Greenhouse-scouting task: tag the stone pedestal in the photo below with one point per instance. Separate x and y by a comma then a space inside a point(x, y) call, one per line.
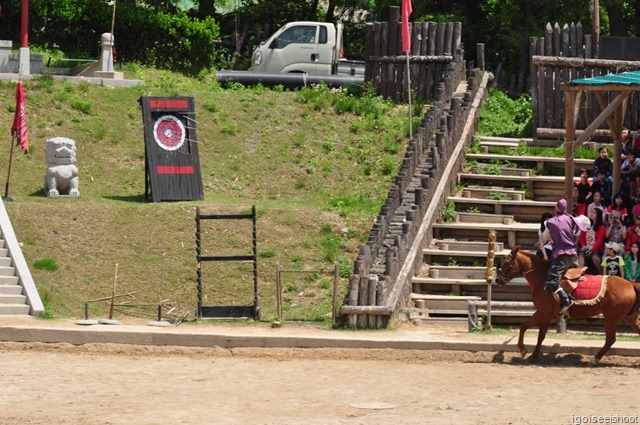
point(24, 61)
point(113, 75)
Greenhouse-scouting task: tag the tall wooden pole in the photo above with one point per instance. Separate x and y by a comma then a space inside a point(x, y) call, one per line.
point(570, 124)
point(596, 29)
point(24, 24)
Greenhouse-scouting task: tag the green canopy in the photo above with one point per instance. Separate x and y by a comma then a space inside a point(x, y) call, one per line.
point(629, 78)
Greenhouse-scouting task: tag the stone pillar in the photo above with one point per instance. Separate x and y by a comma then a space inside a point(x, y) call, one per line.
point(24, 62)
point(5, 51)
point(106, 59)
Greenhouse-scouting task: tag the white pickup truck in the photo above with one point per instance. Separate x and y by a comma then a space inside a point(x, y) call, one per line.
point(313, 48)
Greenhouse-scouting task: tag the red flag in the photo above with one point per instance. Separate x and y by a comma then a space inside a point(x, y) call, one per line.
point(406, 37)
point(19, 127)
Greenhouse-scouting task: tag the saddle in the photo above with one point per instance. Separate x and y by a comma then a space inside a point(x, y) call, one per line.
point(571, 277)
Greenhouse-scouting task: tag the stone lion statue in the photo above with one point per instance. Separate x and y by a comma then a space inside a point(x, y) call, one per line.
point(62, 172)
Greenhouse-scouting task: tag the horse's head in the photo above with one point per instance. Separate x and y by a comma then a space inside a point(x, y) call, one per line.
point(509, 268)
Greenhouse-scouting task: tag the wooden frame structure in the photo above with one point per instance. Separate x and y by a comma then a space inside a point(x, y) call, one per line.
point(621, 86)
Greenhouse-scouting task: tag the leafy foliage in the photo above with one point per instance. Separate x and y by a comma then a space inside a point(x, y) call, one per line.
point(502, 116)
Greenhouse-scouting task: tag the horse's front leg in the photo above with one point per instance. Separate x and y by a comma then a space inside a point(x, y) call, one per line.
point(542, 320)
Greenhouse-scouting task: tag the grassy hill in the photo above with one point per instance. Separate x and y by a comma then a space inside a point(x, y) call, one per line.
point(316, 163)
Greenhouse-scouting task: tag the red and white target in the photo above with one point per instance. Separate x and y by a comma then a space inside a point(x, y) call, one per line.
point(169, 132)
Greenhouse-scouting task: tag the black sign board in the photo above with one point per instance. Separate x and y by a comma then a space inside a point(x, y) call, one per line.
point(172, 166)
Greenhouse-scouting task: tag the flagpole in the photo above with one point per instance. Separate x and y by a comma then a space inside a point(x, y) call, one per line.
point(409, 96)
point(6, 196)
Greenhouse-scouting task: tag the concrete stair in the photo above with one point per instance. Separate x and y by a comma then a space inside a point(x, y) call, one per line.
point(13, 300)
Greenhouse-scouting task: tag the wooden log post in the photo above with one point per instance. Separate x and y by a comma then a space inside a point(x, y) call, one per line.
point(354, 282)
point(480, 55)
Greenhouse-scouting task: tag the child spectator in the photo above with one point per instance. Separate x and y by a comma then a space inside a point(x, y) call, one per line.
point(584, 193)
point(603, 163)
point(612, 262)
point(630, 167)
point(618, 205)
point(591, 243)
point(596, 204)
point(631, 269)
point(603, 186)
point(544, 238)
point(616, 232)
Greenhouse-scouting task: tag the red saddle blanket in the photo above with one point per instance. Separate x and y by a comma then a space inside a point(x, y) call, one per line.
point(591, 288)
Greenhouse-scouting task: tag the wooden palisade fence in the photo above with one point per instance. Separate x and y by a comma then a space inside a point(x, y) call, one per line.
point(380, 287)
point(563, 55)
point(433, 47)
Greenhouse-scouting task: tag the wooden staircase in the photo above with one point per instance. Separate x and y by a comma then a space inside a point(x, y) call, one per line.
point(452, 279)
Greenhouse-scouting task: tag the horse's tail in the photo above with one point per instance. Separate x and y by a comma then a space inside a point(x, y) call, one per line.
point(636, 304)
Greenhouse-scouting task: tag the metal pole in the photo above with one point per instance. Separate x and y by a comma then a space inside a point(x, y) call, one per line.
point(335, 292)
point(278, 292)
point(491, 253)
point(409, 96)
point(199, 267)
point(6, 186)
point(24, 24)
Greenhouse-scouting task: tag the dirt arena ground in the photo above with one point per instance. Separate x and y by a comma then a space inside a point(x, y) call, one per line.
point(90, 384)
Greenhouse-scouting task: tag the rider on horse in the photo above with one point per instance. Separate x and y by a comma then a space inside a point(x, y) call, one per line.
point(565, 255)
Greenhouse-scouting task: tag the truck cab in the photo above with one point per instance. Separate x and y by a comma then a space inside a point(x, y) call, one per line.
point(304, 47)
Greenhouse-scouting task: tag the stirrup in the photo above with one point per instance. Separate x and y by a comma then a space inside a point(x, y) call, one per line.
point(567, 307)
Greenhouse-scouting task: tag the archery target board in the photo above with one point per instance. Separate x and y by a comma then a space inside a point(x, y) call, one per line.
point(172, 166)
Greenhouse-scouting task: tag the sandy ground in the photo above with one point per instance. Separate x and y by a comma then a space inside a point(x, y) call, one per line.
point(124, 384)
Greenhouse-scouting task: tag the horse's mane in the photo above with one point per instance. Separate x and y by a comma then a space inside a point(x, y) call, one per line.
point(535, 259)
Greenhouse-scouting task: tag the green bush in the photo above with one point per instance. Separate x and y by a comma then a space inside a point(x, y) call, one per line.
point(505, 117)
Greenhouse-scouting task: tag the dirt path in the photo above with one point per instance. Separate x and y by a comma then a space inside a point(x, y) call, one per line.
point(121, 384)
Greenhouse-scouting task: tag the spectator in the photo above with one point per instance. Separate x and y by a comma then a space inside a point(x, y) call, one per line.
point(584, 193)
point(612, 262)
point(604, 186)
point(618, 205)
point(591, 243)
point(634, 190)
point(630, 167)
point(603, 163)
point(627, 143)
point(544, 238)
point(633, 234)
point(596, 204)
point(616, 232)
point(631, 269)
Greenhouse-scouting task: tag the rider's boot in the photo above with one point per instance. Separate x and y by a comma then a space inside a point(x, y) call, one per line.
point(566, 300)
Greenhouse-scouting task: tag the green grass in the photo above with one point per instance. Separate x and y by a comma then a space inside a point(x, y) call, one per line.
point(317, 169)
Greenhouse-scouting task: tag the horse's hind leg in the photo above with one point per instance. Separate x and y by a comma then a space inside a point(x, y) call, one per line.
point(634, 322)
point(610, 326)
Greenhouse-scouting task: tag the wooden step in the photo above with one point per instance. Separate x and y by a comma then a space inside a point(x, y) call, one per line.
point(539, 161)
point(465, 246)
point(524, 234)
point(485, 192)
point(456, 272)
point(504, 170)
point(470, 217)
point(526, 211)
point(442, 302)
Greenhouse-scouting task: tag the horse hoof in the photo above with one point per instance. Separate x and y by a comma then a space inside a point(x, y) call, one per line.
point(594, 362)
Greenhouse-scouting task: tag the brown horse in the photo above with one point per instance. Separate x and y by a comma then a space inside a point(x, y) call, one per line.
point(621, 301)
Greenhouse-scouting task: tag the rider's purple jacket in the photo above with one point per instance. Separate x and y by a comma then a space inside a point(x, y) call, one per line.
point(561, 231)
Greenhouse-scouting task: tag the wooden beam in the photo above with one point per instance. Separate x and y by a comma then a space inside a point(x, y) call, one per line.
point(582, 63)
point(603, 87)
point(590, 130)
point(570, 123)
